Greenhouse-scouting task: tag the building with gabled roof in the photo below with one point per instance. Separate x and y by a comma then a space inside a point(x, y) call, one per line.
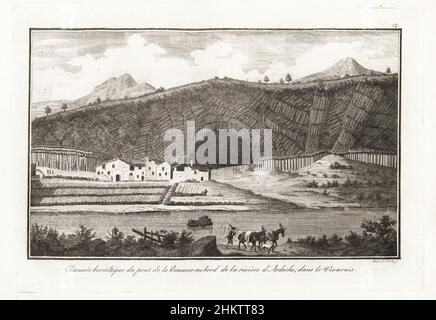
point(184, 172)
point(132, 170)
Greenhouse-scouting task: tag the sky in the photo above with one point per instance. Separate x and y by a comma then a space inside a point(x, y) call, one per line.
point(69, 64)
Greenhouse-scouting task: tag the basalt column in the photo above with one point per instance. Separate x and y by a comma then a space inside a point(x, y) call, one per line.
point(316, 120)
point(365, 99)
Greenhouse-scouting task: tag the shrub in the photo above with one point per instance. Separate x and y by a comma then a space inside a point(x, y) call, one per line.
point(380, 230)
point(312, 184)
point(115, 241)
point(349, 183)
point(335, 240)
point(185, 238)
point(377, 238)
point(321, 242)
point(169, 239)
point(82, 238)
point(353, 239)
point(325, 192)
point(335, 176)
point(337, 166)
point(44, 241)
point(325, 175)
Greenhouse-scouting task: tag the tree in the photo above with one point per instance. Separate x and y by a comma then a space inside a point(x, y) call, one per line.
point(98, 100)
point(64, 106)
point(281, 81)
point(47, 110)
point(288, 78)
point(266, 79)
point(388, 70)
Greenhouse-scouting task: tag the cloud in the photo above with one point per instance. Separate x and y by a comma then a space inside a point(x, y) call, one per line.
point(71, 69)
point(50, 42)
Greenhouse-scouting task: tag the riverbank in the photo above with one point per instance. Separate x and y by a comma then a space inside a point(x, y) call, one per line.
point(331, 182)
point(133, 208)
point(375, 237)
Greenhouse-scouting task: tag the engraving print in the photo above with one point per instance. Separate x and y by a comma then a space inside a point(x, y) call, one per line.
point(219, 143)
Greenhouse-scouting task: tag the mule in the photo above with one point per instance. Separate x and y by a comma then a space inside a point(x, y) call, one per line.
point(252, 237)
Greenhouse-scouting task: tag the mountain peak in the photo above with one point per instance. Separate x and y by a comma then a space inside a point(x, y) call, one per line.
point(345, 67)
point(123, 86)
point(125, 80)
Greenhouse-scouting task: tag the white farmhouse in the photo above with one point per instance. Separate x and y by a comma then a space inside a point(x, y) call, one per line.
point(123, 170)
point(114, 170)
point(164, 171)
point(150, 169)
point(119, 170)
point(185, 172)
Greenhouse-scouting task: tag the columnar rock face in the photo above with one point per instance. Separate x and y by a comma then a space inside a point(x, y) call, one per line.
point(316, 121)
point(64, 159)
point(365, 101)
point(354, 113)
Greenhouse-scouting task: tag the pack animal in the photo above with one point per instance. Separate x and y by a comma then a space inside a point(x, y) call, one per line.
point(274, 236)
point(253, 237)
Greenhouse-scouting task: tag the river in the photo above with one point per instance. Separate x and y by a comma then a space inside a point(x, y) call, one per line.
point(299, 222)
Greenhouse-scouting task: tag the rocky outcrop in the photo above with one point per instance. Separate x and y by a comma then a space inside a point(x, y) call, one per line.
point(204, 247)
point(352, 113)
point(366, 99)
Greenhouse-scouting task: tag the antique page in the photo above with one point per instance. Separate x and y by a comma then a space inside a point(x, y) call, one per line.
point(206, 149)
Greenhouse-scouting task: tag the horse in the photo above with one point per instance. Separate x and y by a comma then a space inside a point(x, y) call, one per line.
point(252, 237)
point(274, 236)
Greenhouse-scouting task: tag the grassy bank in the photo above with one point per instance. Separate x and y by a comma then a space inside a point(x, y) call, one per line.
point(377, 238)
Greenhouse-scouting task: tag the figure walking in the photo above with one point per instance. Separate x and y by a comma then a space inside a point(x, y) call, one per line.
point(230, 235)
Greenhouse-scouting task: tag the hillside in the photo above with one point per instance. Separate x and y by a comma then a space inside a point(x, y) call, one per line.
point(37, 109)
point(338, 115)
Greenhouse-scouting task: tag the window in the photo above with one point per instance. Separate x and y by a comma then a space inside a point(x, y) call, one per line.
point(163, 169)
point(152, 173)
point(195, 172)
point(160, 174)
point(166, 173)
point(149, 168)
point(137, 175)
point(98, 172)
point(108, 172)
point(201, 178)
point(103, 166)
point(132, 168)
point(113, 166)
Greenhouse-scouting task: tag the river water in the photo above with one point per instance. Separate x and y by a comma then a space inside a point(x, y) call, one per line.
point(299, 222)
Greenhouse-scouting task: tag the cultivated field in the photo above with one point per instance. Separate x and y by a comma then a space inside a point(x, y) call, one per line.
point(66, 192)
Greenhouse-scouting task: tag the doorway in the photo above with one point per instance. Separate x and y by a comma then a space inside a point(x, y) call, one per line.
point(117, 177)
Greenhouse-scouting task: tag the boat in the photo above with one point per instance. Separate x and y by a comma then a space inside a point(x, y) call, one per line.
point(203, 221)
